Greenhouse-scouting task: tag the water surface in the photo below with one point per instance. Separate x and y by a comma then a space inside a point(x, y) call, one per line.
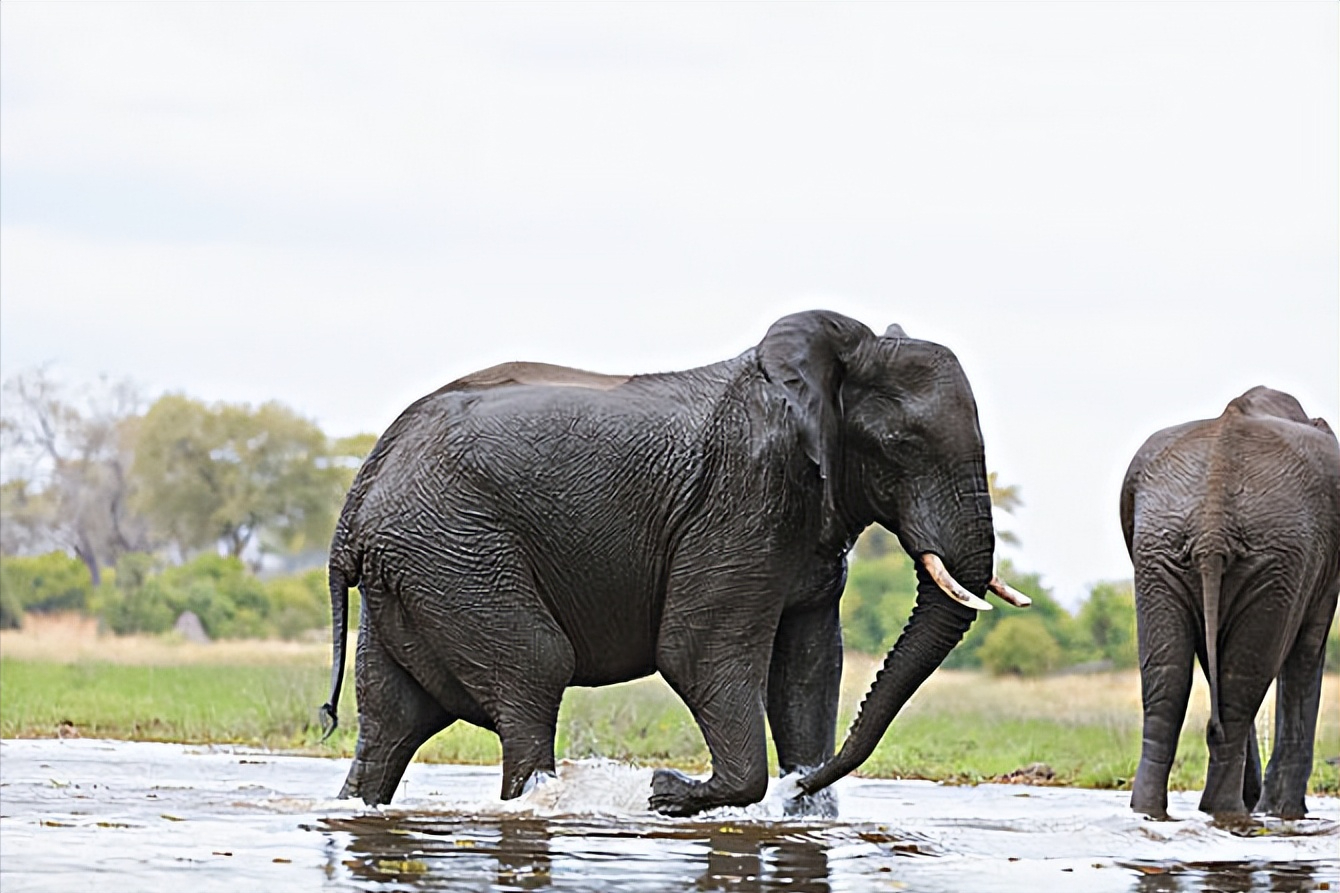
point(156, 817)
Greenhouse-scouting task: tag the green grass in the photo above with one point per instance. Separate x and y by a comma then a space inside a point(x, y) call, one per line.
point(960, 727)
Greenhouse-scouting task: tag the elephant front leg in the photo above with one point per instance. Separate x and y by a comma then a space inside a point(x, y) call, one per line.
point(804, 679)
point(720, 675)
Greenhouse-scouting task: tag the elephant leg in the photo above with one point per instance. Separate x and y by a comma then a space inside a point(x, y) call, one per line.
point(1251, 776)
point(720, 671)
point(1243, 682)
point(513, 665)
point(1167, 637)
point(1297, 700)
point(804, 679)
point(395, 716)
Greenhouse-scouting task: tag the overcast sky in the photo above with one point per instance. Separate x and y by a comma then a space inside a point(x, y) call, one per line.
point(1118, 215)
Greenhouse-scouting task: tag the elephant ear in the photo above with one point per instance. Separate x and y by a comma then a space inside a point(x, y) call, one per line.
point(895, 331)
point(806, 354)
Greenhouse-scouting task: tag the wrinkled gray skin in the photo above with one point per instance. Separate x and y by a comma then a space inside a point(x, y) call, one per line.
point(1233, 525)
point(531, 527)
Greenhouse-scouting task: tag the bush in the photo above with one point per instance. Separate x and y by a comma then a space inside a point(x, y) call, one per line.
point(1021, 646)
point(299, 604)
point(1108, 619)
point(1061, 628)
point(11, 609)
point(881, 590)
point(46, 583)
point(230, 601)
point(129, 601)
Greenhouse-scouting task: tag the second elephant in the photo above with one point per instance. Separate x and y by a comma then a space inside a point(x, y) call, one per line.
point(1233, 525)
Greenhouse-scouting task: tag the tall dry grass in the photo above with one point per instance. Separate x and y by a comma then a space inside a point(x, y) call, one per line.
point(73, 638)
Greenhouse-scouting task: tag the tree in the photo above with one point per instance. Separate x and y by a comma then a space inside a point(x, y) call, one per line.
point(881, 590)
point(73, 454)
point(1020, 645)
point(45, 583)
point(262, 478)
point(1056, 620)
point(1108, 617)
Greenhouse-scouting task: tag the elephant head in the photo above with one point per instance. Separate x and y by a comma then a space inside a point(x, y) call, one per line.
point(892, 426)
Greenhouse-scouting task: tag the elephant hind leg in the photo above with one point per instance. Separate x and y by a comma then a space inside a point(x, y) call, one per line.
point(1233, 772)
point(1168, 641)
point(501, 670)
point(1297, 701)
point(396, 716)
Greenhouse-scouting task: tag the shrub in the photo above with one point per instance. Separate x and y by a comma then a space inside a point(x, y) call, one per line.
point(881, 590)
point(1021, 646)
point(46, 583)
point(1108, 618)
point(130, 601)
point(299, 603)
point(11, 609)
point(1060, 626)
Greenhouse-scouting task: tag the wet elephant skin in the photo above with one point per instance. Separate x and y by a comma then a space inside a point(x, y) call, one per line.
point(530, 527)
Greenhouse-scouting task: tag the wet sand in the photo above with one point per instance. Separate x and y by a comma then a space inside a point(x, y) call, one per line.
point(151, 817)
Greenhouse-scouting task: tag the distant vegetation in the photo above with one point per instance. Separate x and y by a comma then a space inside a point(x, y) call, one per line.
point(135, 514)
point(882, 588)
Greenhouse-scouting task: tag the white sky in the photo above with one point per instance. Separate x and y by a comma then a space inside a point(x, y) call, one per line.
point(1118, 215)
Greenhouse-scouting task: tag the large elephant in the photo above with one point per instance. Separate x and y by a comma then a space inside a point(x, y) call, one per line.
point(531, 527)
point(1233, 525)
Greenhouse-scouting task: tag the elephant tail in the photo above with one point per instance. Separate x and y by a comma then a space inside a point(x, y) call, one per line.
point(1211, 585)
point(340, 581)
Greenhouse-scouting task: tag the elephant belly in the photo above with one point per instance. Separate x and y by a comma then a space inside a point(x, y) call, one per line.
point(612, 630)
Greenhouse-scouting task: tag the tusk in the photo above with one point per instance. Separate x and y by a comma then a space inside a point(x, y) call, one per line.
point(936, 568)
point(1008, 593)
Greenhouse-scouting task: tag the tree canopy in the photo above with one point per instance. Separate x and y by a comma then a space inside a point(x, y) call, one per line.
point(88, 472)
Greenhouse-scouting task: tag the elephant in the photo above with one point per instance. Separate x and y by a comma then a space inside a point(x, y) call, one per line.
point(1233, 528)
point(531, 527)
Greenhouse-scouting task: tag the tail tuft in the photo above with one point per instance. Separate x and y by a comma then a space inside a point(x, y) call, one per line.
point(329, 721)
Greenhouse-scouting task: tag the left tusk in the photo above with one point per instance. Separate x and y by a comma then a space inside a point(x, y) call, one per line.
point(1008, 593)
point(936, 568)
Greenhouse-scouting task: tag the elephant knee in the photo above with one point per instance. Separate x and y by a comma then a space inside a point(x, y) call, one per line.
point(744, 790)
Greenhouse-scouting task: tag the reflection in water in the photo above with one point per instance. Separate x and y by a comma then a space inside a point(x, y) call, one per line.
point(1230, 877)
point(471, 853)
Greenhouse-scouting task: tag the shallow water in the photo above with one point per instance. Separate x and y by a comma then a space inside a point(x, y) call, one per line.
point(154, 817)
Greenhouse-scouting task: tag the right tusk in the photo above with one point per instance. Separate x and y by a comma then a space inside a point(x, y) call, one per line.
point(936, 568)
point(1008, 593)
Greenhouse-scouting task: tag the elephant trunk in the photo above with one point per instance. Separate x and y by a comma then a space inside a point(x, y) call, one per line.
point(936, 626)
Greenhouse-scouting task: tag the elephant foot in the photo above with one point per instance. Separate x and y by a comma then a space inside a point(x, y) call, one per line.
point(1149, 792)
point(359, 783)
point(1151, 805)
point(1227, 810)
point(672, 793)
point(1286, 810)
point(1239, 823)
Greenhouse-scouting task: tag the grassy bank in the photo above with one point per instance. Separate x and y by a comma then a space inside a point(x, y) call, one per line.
point(61, 677)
